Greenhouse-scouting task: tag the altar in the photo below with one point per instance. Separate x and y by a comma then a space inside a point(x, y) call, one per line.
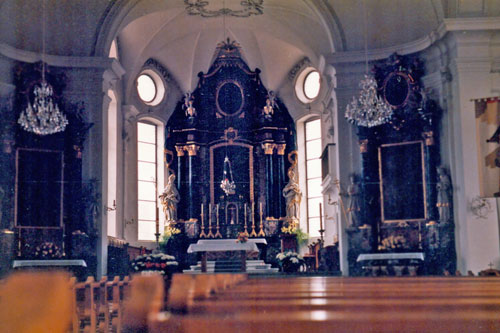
point(398, 264)
point(204, 246)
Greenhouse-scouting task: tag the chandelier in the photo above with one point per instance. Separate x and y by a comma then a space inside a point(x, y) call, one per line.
point(368, 109)
point(43, 116)
point(227, 184)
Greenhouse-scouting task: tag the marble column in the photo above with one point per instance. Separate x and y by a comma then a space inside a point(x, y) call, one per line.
point(192, 150)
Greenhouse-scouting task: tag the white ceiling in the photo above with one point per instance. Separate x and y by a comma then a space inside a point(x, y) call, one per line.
point(286, 32)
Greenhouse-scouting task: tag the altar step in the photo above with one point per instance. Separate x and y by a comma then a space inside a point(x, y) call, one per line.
point(227, 266)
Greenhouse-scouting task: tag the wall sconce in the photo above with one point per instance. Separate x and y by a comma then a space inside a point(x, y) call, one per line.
point(7, 146)
point(113, 208)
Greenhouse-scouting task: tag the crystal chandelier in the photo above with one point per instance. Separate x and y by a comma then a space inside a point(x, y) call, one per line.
point(227, 184)
point(368, 109)
point(43, 116)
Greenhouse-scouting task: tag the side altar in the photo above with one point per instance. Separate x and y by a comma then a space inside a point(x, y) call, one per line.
point(230, 150)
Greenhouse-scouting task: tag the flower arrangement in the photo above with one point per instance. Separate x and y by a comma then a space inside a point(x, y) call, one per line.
point(161, 263)
point(242, 237)
point(291, 262)
point(171, 230)
point(291, 229)
point(48, 250)
point(393, 243)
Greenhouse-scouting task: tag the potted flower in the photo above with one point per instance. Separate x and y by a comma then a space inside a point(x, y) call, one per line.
point(393, 244)
point(242, 237)
point(158, 263)
point(48, 250)
point(292, 237)
point(291, 262)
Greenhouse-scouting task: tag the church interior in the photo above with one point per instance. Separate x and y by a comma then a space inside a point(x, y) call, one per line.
point(257, 165)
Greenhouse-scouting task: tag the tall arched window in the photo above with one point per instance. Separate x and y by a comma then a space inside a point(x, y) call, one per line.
point(312, 135)
point(149, 179)
point(112, 164)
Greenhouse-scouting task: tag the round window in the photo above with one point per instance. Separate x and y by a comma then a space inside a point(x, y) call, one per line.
point(312, 85)
point(308, 85)
point(146, 88)
point(150, 87)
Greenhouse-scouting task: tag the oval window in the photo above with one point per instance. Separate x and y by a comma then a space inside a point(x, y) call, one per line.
point(146, 88)
point(312, 84)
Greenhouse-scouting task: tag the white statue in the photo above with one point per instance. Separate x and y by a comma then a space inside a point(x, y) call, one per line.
point(293, 196)
point(169, 199)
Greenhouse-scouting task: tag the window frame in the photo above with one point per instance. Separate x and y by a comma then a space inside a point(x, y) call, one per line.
point(309, 214)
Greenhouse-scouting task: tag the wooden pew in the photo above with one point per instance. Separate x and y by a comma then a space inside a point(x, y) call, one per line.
point(458, 304)
point(36, 302)
point(146, 297)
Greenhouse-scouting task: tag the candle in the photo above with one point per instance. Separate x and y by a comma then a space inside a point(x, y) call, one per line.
point(245, 209)
point(261, 208)
point(209, 215)
point(201, 213)
point(320, 218)
point(157, 221)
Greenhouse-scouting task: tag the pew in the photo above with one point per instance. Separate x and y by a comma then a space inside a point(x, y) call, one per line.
point(413, 304)
point(36, 302)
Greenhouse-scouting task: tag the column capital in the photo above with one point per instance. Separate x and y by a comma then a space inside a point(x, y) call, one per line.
point(280, 147)
point(268, 148)
point(180, 150)
point(192, 149)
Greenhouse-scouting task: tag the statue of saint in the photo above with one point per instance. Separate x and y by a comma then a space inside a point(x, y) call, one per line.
point(354, 207)
point(268, 109)
point(444, 195)
point(169, 199)
point(293, 196)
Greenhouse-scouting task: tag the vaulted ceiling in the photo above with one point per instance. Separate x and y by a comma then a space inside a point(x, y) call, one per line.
point(274, 34)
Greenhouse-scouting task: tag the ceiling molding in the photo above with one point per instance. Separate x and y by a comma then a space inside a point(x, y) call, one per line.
point(61, 61)
point(448, 25)
point(472, 23)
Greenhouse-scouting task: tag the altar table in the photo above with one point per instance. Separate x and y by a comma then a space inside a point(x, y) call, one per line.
point(219, 245)
point(387, 263)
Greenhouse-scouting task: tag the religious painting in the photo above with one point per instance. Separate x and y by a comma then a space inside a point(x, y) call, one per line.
point(402, 182)
point(39, 188)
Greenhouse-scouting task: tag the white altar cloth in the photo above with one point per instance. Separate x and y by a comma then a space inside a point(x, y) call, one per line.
point(391, 256)
point(48, 262)
point(217, 245)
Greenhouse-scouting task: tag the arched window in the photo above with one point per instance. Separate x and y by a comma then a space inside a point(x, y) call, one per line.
point(149, 178)
point(112, 164)
point(314, 196)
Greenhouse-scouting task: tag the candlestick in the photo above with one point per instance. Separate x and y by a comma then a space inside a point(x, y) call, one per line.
point(253, 233)
point(320, 218)
point(245, 232)
point(202, 234)
point(157, 226)
point(210, 234)
point(217, 234)
point(321, 230)
point(261, 226)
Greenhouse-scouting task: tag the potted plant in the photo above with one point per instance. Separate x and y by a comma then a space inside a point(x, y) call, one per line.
point(157, 263)
point(291, 262)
